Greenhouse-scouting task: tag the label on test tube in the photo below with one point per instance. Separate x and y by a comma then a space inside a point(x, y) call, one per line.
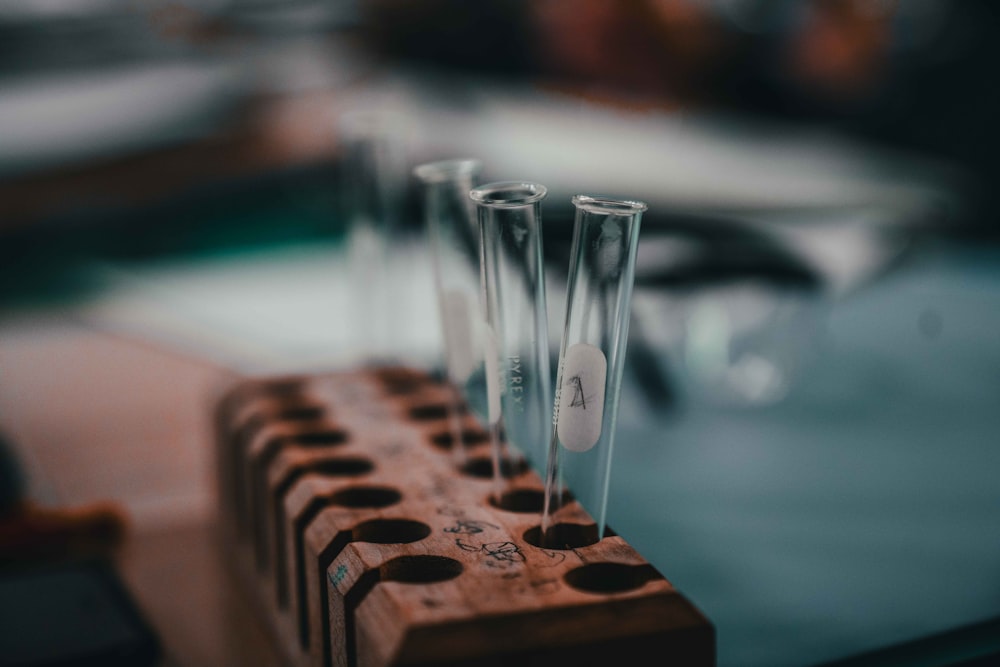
point(581, 397)
point(457, 322)
point(492, 363)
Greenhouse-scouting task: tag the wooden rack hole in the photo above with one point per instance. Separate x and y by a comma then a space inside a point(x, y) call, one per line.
point(323, 438)
point(482, 467)
point(469, 437)
point(610, 577)
point(366, 496)
point(521, 500)
point(390, 531)
point(332, 467)
point(565, 535)
point(429, 412)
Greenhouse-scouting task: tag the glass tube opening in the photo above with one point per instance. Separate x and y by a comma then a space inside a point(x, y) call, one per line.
point(443, 171)
point(508, 194)
point(608, 206)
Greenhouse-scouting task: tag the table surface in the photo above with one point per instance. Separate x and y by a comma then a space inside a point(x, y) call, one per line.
point(98, 418)
point(857, 513)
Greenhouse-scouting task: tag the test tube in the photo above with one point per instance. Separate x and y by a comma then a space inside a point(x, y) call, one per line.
point(373, 186)
point(450, 218)
point(591, 360)
point(516, 344)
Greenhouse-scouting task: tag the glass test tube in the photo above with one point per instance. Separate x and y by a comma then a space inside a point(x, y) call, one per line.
point(373, 186)
point(516, 344)
point(453, 231)
point(591, 359)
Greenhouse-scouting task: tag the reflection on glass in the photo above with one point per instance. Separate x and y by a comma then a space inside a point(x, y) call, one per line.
point(449, 215)
point(516, 336)
point(373, 188)
point(591, 359)
point(742, 343)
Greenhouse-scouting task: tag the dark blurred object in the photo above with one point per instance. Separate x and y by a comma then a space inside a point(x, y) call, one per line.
point(973, 645)
point(913, 75)
point(12, 483)
point(107, 106)
point(642, 49)
point(63, 36)
point(72, 614)
point(61, 601)
point(30, 533)
point(475, 36)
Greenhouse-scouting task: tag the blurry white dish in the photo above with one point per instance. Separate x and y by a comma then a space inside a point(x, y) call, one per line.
point(65, 118)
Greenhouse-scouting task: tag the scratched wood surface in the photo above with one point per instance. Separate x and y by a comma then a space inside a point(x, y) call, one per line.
point(365, 544)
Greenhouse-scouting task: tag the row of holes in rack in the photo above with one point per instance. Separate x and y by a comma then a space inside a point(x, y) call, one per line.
point(257, 404)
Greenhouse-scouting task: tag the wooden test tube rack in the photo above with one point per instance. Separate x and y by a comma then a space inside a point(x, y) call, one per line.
point(347, 519)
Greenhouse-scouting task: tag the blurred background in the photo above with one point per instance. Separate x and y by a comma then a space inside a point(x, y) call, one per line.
point(808, 428)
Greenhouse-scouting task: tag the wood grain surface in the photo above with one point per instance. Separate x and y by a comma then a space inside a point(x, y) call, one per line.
point(365, 543)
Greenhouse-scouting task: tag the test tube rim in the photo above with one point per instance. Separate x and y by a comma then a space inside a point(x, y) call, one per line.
point(482, 194)
point(367, 123)
point(609, 205)
point(440, 171)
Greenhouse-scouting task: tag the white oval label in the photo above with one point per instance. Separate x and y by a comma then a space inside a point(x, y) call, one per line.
point(581, 397)
point(493, 387)
point(460, 352)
